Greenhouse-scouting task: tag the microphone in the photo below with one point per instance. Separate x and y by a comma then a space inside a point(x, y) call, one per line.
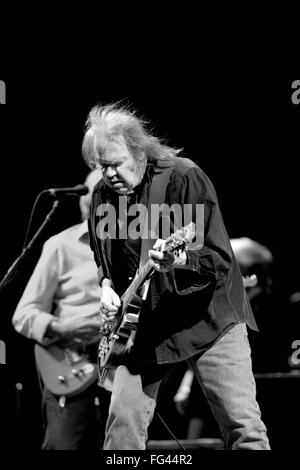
point(78, 190)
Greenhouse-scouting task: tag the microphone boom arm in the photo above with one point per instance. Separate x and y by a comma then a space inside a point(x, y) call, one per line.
point(79, 190)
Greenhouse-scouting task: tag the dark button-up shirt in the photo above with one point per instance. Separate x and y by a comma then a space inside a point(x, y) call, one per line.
point(186, 310)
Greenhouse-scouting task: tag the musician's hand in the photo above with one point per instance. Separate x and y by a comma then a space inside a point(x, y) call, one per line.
point(109, 304)
point(182, 396)
point(164, 261)
point(79, 329)
point(181, 400)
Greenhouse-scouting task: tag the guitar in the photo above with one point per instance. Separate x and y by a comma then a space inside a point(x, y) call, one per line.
point(65, 367)
point(118, 336)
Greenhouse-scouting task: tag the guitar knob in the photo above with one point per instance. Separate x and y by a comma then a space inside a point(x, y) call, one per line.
point(61, 379)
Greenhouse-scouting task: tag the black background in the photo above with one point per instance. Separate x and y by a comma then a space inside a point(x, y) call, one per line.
point(242, 131)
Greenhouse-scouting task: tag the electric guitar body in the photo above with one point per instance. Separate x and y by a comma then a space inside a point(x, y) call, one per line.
point(65, 371)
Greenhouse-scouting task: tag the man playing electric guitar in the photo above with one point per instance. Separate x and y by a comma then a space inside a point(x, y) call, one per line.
point(59, 310)
point(196, 308)
point(118, 332)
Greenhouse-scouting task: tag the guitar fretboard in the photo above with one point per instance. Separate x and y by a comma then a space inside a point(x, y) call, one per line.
point(137, 282)
point(179, 239)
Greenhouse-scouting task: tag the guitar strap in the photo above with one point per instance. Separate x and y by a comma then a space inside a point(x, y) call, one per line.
point(157, 196)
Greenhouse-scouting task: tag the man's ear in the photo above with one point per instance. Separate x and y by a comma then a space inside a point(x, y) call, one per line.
point(142, 156)
point(142, 160)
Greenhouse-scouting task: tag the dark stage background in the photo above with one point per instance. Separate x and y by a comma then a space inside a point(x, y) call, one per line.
point(243, 132)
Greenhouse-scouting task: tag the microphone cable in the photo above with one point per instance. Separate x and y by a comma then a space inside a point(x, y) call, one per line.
point(171, 433)
point(31, 217)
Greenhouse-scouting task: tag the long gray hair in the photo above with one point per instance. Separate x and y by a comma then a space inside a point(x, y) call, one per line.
point(114, 120)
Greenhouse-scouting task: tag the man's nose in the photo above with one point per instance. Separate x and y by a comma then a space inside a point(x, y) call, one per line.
point(110, 172)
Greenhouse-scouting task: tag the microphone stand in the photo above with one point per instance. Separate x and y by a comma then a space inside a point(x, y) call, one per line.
point(13, 269)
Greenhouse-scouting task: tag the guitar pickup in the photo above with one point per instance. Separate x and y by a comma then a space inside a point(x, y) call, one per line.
point(131, 318)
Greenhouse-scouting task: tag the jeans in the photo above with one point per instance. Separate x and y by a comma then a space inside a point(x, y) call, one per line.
point(79, 424)
point(224, 372)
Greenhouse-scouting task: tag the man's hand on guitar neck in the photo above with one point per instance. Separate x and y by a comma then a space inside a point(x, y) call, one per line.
point(164, 261)
point(109, 304)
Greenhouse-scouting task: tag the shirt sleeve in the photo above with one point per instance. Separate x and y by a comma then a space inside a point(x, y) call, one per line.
point(209, 257)
point(33, 312)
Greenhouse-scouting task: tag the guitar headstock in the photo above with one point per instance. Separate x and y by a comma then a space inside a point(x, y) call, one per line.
point(181, 238)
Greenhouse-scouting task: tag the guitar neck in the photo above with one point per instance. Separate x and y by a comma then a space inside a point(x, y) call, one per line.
point(145, 273)
point(178, 240)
